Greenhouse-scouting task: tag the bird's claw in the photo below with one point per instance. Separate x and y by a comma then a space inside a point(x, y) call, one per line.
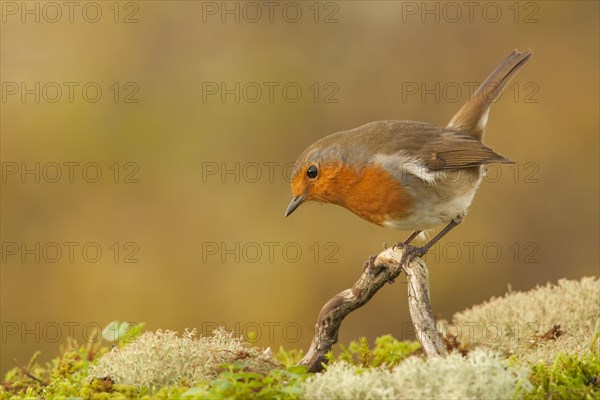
point(410, 252)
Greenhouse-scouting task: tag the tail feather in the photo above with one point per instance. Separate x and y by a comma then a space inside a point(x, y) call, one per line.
point(472, 117)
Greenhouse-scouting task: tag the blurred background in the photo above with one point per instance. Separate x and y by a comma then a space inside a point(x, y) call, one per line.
point(146, 151)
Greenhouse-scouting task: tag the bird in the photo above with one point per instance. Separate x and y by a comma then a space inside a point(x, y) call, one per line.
point(407, 175)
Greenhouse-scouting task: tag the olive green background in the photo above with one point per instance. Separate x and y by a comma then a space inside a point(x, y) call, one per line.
point(367, 60)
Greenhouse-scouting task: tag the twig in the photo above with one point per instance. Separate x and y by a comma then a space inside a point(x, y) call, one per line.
point(29, 374)
point(419, 306)
point(386, 268)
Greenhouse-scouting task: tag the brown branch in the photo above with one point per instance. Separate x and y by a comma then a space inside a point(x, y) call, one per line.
point(386, 268)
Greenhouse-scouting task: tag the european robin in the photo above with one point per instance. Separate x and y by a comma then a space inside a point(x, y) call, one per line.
point(406, 175)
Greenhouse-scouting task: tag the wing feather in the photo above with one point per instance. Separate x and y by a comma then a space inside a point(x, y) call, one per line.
point(454, 150)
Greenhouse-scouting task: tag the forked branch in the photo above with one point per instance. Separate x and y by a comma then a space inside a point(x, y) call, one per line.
point(386, 267)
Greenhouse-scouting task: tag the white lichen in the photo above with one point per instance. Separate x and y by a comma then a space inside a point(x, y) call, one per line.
point(162, 358)
point(482, 374)
point(515, 323)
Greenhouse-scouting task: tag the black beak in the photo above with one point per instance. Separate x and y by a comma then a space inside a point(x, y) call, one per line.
point(295, 203)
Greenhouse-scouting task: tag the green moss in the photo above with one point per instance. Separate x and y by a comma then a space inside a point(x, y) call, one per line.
point(289, 358)
point(387, 352)
point(237, 382)
point(61, 377)
point(568, 377)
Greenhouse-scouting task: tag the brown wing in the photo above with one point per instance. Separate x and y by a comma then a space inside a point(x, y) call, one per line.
point(454, 150)
point(440, 148)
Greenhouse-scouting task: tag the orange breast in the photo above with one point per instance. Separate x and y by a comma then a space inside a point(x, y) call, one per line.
point(371, 193)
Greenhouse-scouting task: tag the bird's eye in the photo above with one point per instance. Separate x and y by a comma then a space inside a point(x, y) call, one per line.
point(312, 172)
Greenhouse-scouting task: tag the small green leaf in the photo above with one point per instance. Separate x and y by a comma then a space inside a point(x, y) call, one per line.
point(114, 331)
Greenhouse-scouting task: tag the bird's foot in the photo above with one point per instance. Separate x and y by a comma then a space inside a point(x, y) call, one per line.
point(410, 252)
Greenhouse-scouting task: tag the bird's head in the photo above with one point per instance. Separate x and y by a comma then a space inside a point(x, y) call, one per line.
point(320, 174)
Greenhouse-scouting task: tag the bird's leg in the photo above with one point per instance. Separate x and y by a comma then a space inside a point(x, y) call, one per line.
point(441, 234)
point(408, 239)
point(413, 251)
point(411, 237)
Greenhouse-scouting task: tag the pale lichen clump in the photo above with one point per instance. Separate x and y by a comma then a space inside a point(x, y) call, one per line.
point(162, 358)
point(482, 374)
point(526, 323)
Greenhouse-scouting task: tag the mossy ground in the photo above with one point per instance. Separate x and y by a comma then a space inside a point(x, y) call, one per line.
point(65, 377)
point(232, 368)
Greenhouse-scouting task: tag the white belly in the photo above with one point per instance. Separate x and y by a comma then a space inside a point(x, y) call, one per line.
point(437, 205)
